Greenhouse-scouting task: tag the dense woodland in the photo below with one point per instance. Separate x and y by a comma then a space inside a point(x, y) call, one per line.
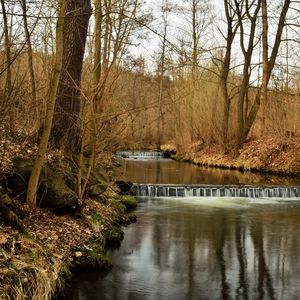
point(87, 76)
point(216, 81)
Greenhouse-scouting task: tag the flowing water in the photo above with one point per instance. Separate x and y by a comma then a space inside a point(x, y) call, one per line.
point(201, 248)
point(171, 172)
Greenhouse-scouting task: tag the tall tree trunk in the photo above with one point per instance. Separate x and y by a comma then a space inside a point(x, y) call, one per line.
point(268, 68)
point(66, 127)
point(8, 82)
point(231, 31)
point(98, 44)
point(195, 42)
point(195, 38)
point(38, 164)
point(30, 57)
point(247, 53)
point(161, 76)
point(265, 61)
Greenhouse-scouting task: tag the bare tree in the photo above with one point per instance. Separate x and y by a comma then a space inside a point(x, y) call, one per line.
point(8, 82)
point(43, 145)
point(225, 69)
point(71, 33)
point(166, 8)
point(66, 127)
point(115, 22)
point(246, 12)
point(268, 63)
point(29, 53)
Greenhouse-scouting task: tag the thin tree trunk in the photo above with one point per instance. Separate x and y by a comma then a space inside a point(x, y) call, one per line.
point(97, 50)
point(195, 39)
point(8, 82)
point(161, 79)
point(38, 164)
point(30, 56)
point(265, 61)
point(224, 75)
point(271, 62)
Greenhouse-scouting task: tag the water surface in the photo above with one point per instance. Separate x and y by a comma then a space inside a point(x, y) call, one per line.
point(169, 171)
point(203, 248)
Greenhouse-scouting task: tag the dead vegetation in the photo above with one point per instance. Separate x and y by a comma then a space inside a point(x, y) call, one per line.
point(274, 155)
point(33, 265)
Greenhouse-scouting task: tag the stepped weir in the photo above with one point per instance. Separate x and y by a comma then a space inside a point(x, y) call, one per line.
point(243, 191)
point(140, 154)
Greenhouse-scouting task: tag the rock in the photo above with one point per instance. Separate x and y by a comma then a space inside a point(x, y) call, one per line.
point(90, 259)
point(17, 182)
point(11, 213)
point(124, 186)
point(129, 201)
point(78, 254)
point(53, 192)
point(57, 184)
point(98, 182)
point(96, 190)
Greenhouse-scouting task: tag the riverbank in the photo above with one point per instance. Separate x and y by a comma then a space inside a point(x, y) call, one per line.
point(273, 155)
point(34, 265)
point(43, 248)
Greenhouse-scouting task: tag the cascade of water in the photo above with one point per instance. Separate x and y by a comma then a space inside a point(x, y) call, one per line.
point(139, 154)
point(157, 190)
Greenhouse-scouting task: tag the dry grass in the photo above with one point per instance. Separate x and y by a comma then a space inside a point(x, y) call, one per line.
point(277, 155)
point(27, 270)
point(32, 266)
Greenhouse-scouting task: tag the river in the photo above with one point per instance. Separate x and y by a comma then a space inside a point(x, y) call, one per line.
point(206, 248)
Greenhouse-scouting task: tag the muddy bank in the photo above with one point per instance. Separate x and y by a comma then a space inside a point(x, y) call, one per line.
point(273, 155)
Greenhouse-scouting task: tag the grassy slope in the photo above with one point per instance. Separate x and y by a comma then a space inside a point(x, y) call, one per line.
point(274, 155)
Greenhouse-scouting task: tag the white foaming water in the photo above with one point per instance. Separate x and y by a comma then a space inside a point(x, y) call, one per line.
point(226, 191)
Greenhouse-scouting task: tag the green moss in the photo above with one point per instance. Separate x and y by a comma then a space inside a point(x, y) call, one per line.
point(92, 258)
point(130, 202)
point(101, 260)
point(96, 218)
point(177, 157)
point(123, 203)
point(118, 205)
point(31, 257)
point(129, 218)
point(65, 271)
point(114, 236)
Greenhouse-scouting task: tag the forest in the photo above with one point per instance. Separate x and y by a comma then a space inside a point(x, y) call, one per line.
point(217, 82)
point(216, 73)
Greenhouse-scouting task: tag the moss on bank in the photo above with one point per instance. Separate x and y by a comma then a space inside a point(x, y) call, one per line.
point(35, 265)
point(91, 254)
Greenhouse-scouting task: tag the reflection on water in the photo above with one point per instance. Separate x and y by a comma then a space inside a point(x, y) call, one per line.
point(203, 249)
point(169, 171)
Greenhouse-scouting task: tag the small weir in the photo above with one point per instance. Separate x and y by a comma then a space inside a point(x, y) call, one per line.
point(141, 154)
point(173, 190)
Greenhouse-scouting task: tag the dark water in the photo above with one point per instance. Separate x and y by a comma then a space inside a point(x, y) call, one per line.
point(205, 248)
point(169, 171)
